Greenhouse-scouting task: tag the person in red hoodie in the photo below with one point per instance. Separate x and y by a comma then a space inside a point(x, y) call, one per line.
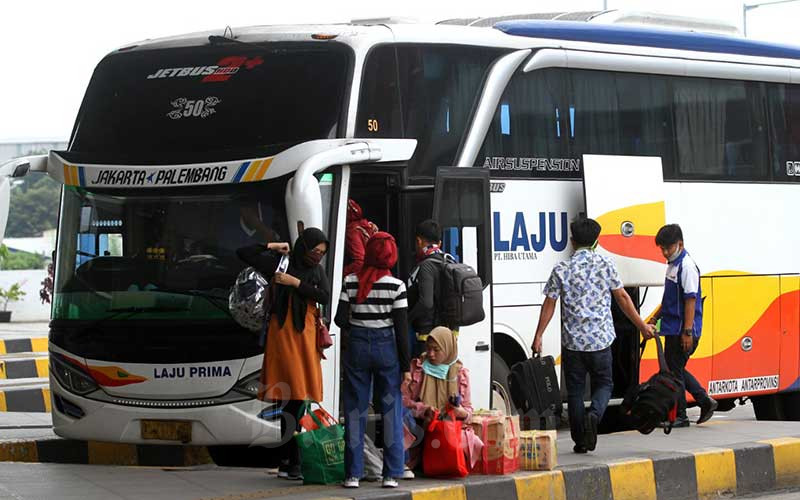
point(359, 230)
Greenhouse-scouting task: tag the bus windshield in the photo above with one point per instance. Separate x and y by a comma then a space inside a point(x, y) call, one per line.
point(159, 254)
point(210, 103)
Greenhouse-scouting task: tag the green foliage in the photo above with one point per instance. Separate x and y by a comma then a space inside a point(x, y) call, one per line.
point(23, 260)
point(11, 294)
point(19, 260)
point(33, 207)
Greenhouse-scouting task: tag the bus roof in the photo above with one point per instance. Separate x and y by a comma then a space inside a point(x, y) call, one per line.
point(647, 37)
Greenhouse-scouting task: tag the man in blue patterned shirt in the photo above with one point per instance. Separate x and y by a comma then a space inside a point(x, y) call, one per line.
point(585, 284)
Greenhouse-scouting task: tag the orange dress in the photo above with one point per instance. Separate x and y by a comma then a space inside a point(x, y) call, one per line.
point(292, 369)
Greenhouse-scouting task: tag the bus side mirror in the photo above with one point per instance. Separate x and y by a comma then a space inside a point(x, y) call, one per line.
point(303, 205)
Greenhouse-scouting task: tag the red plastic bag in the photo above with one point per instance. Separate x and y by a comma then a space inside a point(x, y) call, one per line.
point(443, 454)
point(309, 423)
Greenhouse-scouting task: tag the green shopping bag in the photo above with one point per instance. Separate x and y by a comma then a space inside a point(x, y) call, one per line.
point(322, 450)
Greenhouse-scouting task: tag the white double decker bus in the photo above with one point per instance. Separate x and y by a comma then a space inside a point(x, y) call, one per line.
point(188, 148)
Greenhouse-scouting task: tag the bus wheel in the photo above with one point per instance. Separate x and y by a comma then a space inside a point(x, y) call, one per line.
point(501, 396)
point(791, 405)
point(768, 407)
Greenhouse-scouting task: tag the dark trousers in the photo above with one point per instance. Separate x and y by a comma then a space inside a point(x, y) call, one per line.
point(371, 358)
point(676, 359)
point(290, 424)
point(599, 367)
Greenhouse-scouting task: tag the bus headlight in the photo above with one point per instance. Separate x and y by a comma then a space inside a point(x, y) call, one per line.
point(71, 377)
point(249, 385)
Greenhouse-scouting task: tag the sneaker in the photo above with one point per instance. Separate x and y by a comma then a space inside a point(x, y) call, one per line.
point(707, 410)
point(389, 482)
point(590, 431)
point(408, 474)
point(294, 473)
point(283, 469)
point(579, 448)
point(350, 482)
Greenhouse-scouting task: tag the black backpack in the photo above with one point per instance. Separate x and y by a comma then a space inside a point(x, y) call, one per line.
point(656, 400)
point(461, 295)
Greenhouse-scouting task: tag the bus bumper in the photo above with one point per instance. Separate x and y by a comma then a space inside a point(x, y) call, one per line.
point(227, 424)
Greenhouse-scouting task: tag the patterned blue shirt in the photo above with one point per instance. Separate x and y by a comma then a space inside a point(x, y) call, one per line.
point(584, 284)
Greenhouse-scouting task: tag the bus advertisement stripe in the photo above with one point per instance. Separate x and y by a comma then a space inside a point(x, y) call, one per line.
point(263, 169)
point(241, 171)
point(81, 177)
point(252, 171)
point(67, 179)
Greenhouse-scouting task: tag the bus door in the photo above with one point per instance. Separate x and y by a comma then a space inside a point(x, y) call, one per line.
point(461, 206)
point(625, 194)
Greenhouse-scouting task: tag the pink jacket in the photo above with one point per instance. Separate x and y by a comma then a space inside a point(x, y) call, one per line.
point(412, 390)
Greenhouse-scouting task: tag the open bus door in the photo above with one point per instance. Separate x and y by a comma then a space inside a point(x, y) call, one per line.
point(625, 194)
point(461, 206)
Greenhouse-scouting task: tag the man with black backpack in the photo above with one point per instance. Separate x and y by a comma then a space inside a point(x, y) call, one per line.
point(424, 284)
point(441, 291)
point(585, 283)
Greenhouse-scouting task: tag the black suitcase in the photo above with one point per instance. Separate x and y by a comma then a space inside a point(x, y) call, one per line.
point(534, 389)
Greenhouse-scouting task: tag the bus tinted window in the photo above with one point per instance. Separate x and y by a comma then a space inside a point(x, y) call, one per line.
point(702, 129)
point(720, 129)
point(620, 114)
point(528, 135)
point(210, 103)
point(547, 120)
point(784, 103)
point(428, 96)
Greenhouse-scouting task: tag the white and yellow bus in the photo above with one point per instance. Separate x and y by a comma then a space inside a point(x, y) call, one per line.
point(189, 147)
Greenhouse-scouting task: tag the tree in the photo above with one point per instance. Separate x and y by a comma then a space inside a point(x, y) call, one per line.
point(34, 206)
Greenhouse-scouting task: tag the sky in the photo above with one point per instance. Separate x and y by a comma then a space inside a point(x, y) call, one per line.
point(50, 48)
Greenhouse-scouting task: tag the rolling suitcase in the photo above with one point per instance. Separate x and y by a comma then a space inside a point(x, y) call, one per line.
point(535, 392)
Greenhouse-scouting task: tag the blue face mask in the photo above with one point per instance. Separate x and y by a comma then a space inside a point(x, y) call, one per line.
point(436, 371)
point(675, 255)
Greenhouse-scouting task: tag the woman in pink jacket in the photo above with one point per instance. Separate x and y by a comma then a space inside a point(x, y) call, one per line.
point(439, 378)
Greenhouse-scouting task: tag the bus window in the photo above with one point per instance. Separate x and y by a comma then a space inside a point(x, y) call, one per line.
point(720, 130)
point(784, 104)
point(528, 126)
point(425, 93)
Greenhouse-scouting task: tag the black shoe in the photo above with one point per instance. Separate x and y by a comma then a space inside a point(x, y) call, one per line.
point(579, 448)
point(681, 422)
point(294, 473)
point(590, 431)
point(707, 410)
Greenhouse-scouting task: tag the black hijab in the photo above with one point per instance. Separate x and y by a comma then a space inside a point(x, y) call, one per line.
point(309, 275)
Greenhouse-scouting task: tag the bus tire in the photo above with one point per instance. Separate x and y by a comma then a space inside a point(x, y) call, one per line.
point(500, 373)
point(768, 407)
point(791, 405)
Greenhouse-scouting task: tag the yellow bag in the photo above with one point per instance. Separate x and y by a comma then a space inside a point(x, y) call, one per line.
point(537, 450)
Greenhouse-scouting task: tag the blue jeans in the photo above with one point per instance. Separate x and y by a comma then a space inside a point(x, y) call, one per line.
point(676, 359)
point(371, 358)
point(599, 367)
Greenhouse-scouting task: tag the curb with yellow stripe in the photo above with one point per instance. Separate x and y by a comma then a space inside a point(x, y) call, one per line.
point(24, 368)
point(35, 400)
point(68, 451)
point(27, 344)
point(707, 473)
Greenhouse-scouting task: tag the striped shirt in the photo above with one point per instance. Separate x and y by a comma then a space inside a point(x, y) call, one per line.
point(387, 295)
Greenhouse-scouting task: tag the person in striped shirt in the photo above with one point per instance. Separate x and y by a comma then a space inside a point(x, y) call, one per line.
point(373, 313)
